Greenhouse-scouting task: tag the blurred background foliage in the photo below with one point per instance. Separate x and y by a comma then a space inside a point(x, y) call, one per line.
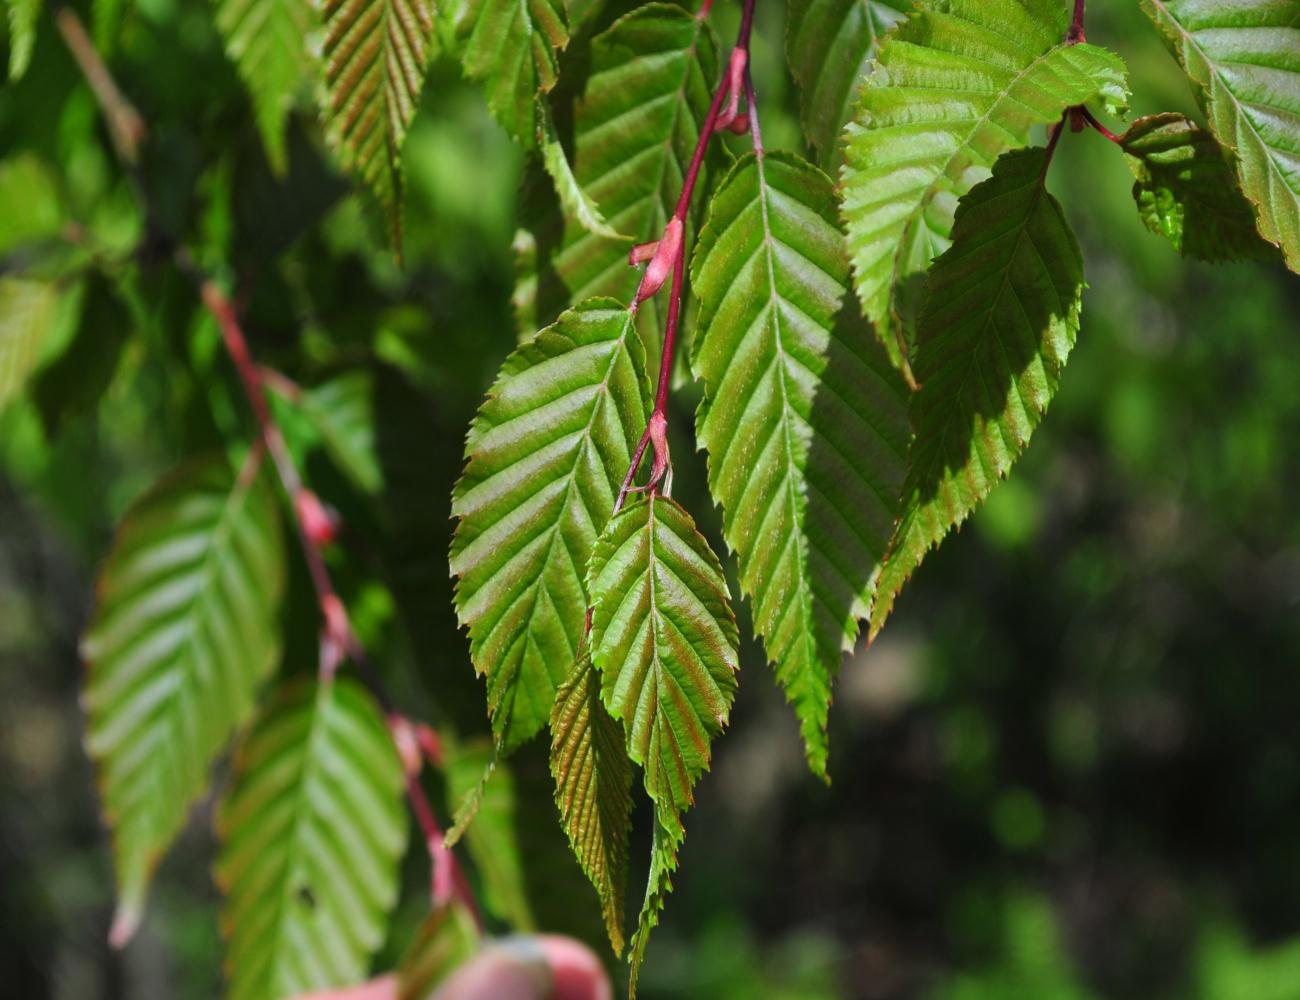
point(1069, 769)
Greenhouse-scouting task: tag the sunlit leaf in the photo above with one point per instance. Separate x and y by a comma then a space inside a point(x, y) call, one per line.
point(27, 311)
point(804, 419)
point(23, 15)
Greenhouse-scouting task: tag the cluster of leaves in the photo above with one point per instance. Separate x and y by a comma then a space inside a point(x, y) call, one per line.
point(844, 438)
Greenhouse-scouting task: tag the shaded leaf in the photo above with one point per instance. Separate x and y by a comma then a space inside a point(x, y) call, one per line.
point(312, 832)
point(374, 58)
point(593, 781)
point(953, 87)
point(999, 322)
point(183, 634)
point(31, 207)
point(544, 460)
point(267, 42)
point(1187, 192)
point(829, 45)
point(577, 204)
point(1243, 59)
point(446, 940)
point(803, 417)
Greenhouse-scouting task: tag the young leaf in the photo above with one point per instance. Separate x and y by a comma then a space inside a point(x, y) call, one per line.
point(26, 314)
point(635, 129)
point(830, 45)
point(374, 58)
point(446, 940)
point(184, 633)
point(267, 42)
point(593, 781)
point(804, 419)
point(1187, 192)
point(577, 204)
point(953, 87)
point(312, 832)
point(664, 639)
point(1000, 318)
point(512, 46)
point(544, 460)
point(23, 15)
point(1244, 60)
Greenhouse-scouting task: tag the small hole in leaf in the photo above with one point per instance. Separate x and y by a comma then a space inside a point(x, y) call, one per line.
point(306, 897)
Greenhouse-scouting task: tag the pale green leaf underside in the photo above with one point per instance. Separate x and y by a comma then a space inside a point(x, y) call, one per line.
point(23, 15)
point(312, 833)
point(999, 322)
point(804, 419)
point(373, 60)
point(27, 311)
point(593, 781)
point(664, 639)
point(574, 200)
point(952, 88)
point(513, 46)
point(652, 74)
point(267, 42)
point(1244, 59)
point(545, 457)
point(183, 635)
point(446, 940)
point(1187, 192)
point(829, 45)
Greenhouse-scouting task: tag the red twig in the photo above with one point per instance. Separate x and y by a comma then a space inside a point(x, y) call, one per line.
point(1091, 119)
point(669, 253)
point(314, 525)
point(1075, 35)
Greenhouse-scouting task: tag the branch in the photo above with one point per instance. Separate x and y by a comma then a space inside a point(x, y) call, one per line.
point(668, 254)
point(315, 527)
point(1075, 35)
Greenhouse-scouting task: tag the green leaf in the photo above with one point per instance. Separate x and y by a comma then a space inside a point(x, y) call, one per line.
point(27, 312)
point(267, 42)
point(1187, 192)
point(475, 775)
point(1243, 59)
point(312, 832)
point(544, 460)
point(593, 781)
point(999, 322)
point(513, 46)
point(636, 126)
point(343, 411)
point(577, 204)
point(374, 58)
point(830, 45)
point(953, 87)
point(31, 207)
point(446, 940)
point(804, 419)
point(106, 18)
point(23, 15)
point(665, 641)
point(183, 635)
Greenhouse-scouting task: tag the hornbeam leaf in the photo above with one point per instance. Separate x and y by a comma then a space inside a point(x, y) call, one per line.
point(804, 419)
point(829, 45)
point(1187, 192)
point(667, 839)
point(1244, 61)
point(544, 460)
point(953, 87)
point(635, 128)
point(1000, 319)
point(23, 15)
point(27, 310)
point(446, 940)
point(577, 204)
point(593, 781)
point(664, 639)
point(512, 46)
point(267, 41)
point(312, 832)
point(183, 635)
point(374, 58)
